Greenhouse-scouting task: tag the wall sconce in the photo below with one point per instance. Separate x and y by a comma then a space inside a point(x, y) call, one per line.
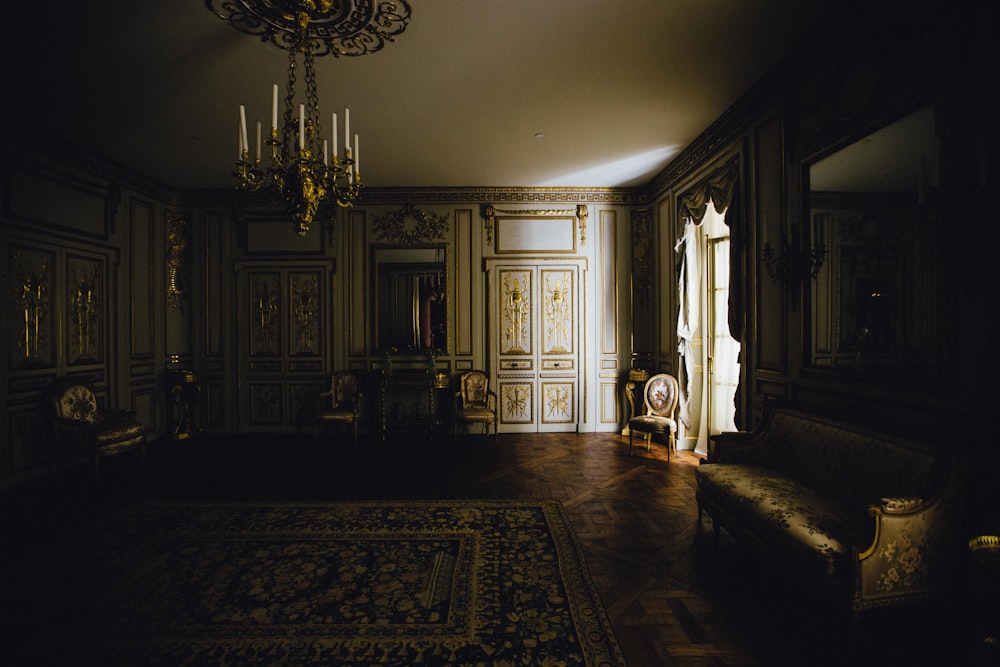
point(793, 263)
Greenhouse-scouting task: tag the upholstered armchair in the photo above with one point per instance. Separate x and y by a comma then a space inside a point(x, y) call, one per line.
point(341, 404)
point(475, 402)
point(660, 398)
point(81, 424)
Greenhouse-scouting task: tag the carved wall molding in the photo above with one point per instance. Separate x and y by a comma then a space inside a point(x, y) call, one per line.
point(178, 261)
point(410, 226)
point(489, 213)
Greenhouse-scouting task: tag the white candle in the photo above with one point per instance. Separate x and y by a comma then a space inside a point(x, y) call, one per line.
point(274, 106)
point(244, 145)
point(333, 124)
point(326, 161)
point(258, 141)
point(347, 129)
point(357, 156)
point(302, 126)
point(239, 142)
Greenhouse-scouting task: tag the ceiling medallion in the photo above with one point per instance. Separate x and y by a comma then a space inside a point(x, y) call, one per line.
point(336, 27)
point(410, 226)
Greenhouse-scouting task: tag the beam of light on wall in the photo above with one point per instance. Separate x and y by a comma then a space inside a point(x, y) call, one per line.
point(631, 170)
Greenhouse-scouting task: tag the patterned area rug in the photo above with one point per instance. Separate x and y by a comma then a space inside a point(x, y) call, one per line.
point(359, 583)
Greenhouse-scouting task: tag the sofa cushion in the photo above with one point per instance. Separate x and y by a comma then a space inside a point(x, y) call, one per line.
point(814, 529)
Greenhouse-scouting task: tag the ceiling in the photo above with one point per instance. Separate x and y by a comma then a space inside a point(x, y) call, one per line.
point(502, 93)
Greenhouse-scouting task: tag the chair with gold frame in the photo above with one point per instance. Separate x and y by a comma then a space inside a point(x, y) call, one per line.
point(85, 426)
point(475, 402)
point(341, 404)
point(660, 398)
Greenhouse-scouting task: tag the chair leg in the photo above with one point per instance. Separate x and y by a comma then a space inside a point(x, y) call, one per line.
point(630, 442)
point(649, 438)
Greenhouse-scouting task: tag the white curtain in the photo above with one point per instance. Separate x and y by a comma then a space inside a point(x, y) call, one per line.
point(706, 407)
point(688, 315)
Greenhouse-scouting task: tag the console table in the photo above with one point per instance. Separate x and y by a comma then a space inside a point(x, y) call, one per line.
point(408, 399)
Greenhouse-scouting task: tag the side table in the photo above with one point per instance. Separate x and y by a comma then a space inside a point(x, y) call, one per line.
point(184, 388)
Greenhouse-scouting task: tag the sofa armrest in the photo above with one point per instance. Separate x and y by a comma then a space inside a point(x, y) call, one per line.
point(913, 550)
point(733, 446)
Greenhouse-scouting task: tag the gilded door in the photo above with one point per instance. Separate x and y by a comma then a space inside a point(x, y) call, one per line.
point(535, 345)
point(283, 349)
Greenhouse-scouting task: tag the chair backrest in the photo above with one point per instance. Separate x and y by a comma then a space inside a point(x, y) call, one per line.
point(474, 387)
point(344, 387)
point(661, 395)
point(75, 401)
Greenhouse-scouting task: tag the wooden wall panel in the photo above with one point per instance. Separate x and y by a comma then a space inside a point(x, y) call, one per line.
point(463, 312)
point(607, 281)
point(357, 272)
point(142, 332)
point(59, 201)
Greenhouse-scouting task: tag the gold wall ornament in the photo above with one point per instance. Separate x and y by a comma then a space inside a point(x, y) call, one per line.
point(410, 226)
point(581, 215)
point(32, 288)
point(490, 221)
point(178, 262)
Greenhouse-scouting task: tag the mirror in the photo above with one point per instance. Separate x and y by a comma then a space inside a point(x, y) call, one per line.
point(411, 304)
point(872, 203)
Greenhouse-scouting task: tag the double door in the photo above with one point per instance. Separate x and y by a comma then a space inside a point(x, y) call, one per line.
point(283, 347)
point(535, 344)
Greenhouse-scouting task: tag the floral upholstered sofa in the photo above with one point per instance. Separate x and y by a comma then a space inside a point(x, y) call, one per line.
point(870, 516)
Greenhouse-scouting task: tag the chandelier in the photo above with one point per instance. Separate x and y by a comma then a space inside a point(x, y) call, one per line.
point(307, 166)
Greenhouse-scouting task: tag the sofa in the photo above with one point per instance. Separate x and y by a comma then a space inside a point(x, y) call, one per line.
point(870, 517)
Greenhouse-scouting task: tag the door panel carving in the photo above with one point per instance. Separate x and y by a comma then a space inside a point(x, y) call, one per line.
point(86, 304)
point(515, 324)
point(283, 349)
point(265, 310)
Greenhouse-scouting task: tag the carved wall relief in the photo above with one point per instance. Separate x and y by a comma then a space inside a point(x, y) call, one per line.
point(178, 262)
point(304, 304)
point(515, 292)
point(31, 292)
point(86, 305)
point(265, 309)
point(557, 312)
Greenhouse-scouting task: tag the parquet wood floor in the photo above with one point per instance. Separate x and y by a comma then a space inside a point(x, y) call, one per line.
point(672, 596)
